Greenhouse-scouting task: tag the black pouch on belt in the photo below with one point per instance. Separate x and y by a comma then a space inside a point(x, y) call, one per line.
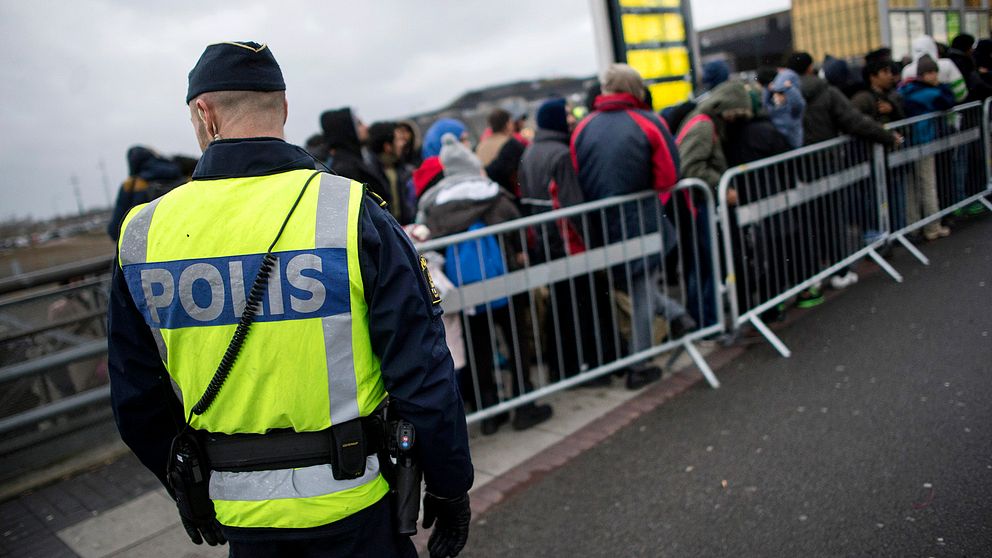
point(349, 450)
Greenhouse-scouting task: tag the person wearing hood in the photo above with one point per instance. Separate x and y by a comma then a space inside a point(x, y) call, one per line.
point(344, 135)
point(149, 176)
point(466, 199)
point(783, 103)
point(408, 143)
point(838, 73)
point(947, 72)
point(430, 171)
point(700, 143)
point(623, 147)
point(828, 112)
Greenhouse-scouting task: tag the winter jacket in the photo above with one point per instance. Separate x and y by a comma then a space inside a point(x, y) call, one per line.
point(623, 148)
point(346, 159)
point(787, 117)
point(978, 89)
point(396, 176)
point(922, 98)
point(548, 181)
point(948, 73)
point(504, 166)
point(702, 134)
point(866, 101)
point(830, 114)
point(457, 202)
point(754, 139)
point(149, 176)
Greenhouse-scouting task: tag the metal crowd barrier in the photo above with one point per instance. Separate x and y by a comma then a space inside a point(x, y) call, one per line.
point(808, 214)
point(941, 168)
point(553, 300)
point(800, 218)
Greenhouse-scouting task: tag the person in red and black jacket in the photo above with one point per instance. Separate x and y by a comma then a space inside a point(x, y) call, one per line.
point(622, 147)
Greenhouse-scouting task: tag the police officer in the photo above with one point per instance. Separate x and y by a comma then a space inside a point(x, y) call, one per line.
point(281, 401)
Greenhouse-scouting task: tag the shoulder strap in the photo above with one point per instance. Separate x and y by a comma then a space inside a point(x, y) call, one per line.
point(688, 125)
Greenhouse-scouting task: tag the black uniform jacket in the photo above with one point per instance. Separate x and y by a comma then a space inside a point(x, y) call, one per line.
point(404, 321)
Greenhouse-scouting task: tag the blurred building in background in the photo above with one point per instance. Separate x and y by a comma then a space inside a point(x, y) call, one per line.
point(745, 45)
point(850, 28)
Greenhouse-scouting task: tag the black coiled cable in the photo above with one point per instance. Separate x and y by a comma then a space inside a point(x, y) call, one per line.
point(252, 306)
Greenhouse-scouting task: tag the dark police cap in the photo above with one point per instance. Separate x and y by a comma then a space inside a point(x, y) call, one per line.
point(235, 66)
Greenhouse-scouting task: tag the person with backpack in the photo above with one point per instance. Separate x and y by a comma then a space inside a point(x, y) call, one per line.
point(150, 176)
point(700, 142)
point(465, 200)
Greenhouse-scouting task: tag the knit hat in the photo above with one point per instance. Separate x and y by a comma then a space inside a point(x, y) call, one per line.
point(457, 159)
point(836, 72)
point(621, 78)
point(715, 72)
point(551, 116)
point(432, 139)
point(235, 66)
point(925, 65)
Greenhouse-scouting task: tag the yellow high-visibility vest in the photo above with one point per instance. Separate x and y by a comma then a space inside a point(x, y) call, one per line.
point(190, 258)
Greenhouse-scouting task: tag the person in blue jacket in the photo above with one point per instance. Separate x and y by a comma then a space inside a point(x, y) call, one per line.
point(922, 95)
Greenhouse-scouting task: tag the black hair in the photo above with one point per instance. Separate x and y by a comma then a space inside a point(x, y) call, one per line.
point(498, 119)
point(963, 42)
point(766, 74)
point(381, 133)
point(799, 62)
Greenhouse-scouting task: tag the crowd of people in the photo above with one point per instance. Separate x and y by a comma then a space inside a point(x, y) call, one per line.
point(440, 182)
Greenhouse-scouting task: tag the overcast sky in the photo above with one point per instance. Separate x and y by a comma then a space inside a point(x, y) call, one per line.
point(84, 80)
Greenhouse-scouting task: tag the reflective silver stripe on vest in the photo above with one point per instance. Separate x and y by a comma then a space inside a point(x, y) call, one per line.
point(305, 482)
point(134, 250)
point(332, 232)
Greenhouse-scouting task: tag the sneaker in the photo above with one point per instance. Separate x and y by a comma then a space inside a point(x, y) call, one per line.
point(491, 425)
point(530, 415)
point(975, 209)
point(839, 282)
point(939, 232)
point(809, 298)
point(642, 376)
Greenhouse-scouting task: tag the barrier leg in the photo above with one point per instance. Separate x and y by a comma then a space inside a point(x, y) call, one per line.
point(769, 336)
point(912, 249)
point(701, 364)
point(675, 356)
point(885, 265)
point(986, 202)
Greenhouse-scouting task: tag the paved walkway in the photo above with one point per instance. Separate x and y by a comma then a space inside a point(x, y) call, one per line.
point(874, 439)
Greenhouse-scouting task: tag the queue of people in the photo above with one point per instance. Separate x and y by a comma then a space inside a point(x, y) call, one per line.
point(439, 182)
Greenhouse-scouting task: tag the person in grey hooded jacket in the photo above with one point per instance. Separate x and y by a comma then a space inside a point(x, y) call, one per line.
point(785, 106)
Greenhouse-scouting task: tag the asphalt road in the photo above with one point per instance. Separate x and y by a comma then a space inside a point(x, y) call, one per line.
point(874, 439)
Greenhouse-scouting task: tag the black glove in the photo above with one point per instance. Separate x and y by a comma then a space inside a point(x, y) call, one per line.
point(209, 532)
point(453, 516)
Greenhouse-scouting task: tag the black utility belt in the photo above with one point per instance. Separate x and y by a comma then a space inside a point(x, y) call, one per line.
point(344, 446)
